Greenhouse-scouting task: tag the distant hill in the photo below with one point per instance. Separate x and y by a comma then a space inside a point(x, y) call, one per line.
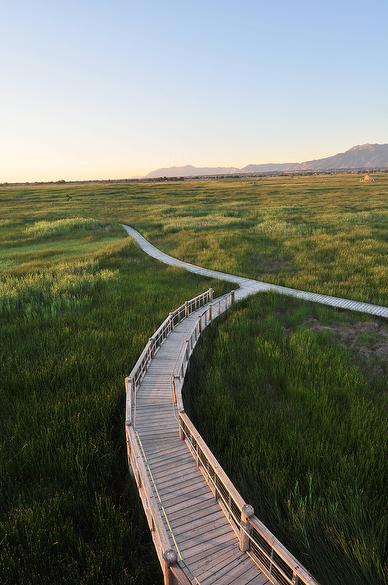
point(190, 171)
point(364, 156)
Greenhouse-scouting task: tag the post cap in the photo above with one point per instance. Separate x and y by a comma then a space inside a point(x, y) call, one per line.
point(248, 510)
point(170, 556)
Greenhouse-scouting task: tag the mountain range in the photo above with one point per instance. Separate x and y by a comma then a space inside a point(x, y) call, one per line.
point(363, 156)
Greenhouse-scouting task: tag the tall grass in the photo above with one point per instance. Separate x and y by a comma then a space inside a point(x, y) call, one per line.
point(78, 302)
point(322, 233)
point(66, 286)
point(301, 429)
point(43, 229)
point(69, 512)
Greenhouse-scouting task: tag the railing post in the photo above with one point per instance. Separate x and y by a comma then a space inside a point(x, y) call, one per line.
point(186, 308)
point(152, 348)
point(210, 313)
point(169, 558)
point(246, 513)
point(128, 390)
point(181, 433)
point(171, 321)
point(211, 294)
point(232, 296)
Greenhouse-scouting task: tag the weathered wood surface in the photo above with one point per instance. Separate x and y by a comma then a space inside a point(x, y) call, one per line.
point(199, 522)
point(207, 545)
point(249, 286)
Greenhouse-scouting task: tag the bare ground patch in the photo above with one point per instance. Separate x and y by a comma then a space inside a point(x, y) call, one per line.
point(368, 341)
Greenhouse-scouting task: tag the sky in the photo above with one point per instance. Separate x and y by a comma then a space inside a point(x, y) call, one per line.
point(113, 89)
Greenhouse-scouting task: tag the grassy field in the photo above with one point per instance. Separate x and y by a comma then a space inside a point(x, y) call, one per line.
point(320, 233)
point(299, 421)
point(74, 316)
point(75, 295)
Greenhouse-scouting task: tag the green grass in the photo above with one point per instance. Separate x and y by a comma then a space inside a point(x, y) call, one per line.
point(78, 302)
point(69, 334)
point(320, 233)
point(300, 427)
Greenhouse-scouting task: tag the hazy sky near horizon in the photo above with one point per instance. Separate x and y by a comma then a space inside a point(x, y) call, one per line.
point(110, 89)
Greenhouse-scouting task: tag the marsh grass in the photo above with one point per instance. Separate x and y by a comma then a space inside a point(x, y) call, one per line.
point(70, 332)
point(329, 231)
point(301, 430)
point(44, 229)
point(75, 298)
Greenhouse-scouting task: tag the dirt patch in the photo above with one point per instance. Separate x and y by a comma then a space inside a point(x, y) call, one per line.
point(368, 341)
point(266, 264)
point(276, 265)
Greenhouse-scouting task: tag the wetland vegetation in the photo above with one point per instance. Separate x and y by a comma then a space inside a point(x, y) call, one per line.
point(75, 298)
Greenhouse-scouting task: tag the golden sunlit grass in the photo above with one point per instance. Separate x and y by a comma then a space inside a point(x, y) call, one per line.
point(78, 301)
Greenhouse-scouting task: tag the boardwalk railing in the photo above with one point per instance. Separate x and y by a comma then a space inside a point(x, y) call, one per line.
point(254, 538)
point(262, 546)
point(132, 382)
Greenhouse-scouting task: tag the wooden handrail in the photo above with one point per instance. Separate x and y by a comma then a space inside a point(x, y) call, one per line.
point(287, 570)
point(261, 545)
point(140, 368)
point(160, 536)
point(211, 459)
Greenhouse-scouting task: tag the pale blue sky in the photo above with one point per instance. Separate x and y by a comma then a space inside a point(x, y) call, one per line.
point(99, 89)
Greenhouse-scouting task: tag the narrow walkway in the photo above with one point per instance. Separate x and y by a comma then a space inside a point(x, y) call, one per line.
point(204, 533)
point(249, 286)
point(207, 546)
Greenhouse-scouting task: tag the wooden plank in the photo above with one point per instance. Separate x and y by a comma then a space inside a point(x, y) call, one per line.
point(208, 552)
point(200, 529)
point(177, 488)
point(160, 432)
point(164, 451)
point(144, 424)
point(224, 563)
point(259, 579)
point(204, 566)
point(165, 446)
point(167, 465)
point(173, 505)
point(193, 511)
point(244, 572)
point(177, 479)
point(212, 535)
point(166, 457)
point(173, 469)
point(190, 493)
point(192, 525)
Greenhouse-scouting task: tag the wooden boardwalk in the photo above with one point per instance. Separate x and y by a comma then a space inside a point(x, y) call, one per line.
point(249, 286)
point(206, 544)
point(203, 530)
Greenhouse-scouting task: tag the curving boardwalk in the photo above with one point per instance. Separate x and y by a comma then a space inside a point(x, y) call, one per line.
point(249, 286)
point(203, 530)
point(205, 545)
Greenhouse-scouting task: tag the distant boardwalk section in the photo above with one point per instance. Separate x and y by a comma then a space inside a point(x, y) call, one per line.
point(249, 286)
